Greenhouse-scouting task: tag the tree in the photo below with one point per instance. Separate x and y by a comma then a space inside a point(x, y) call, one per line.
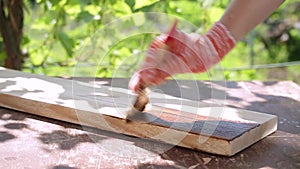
point(11, 19)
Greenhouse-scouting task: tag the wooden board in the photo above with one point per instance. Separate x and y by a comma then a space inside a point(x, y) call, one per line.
point(186, 123)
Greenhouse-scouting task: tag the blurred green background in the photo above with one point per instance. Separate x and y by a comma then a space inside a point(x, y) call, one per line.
point(78, 38)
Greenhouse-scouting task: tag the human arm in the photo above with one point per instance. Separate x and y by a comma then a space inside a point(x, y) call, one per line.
point(193, 53)
point(242, 16)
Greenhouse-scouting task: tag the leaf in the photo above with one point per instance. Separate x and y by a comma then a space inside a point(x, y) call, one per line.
point(104, 72)
point(124, 51)
point(139, 19)
point(66, 42)
point(183, 9)
point(72, 10)
point(38, 56)
point(130, 3)
point(2, 56)
point(122, 8)
point(92, 9)
point(73, 2)
point(25, 40)
point(143, 3)
point(84, 16)
point(215, 13)
point(54, 2)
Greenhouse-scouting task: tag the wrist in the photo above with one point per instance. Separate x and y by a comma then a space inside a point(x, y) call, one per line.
point(221, 39)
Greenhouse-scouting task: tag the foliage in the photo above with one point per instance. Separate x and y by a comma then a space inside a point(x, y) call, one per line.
point(90, 35)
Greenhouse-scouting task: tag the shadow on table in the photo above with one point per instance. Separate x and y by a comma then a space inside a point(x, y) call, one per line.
point(63, 167)
point(67, 141)
point(5, 136)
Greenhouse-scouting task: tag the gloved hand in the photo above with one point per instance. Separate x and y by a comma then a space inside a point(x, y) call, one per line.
point(178, 52)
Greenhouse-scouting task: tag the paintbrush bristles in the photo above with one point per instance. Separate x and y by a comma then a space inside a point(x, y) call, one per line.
point(140, 103)
point(141, 100)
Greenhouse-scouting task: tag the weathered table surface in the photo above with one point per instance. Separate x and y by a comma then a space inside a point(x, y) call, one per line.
point(29, 141)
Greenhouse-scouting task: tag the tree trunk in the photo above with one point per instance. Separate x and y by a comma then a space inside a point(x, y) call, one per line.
point(11, 25)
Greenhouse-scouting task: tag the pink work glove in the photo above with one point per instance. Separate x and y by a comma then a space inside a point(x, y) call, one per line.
point(178, 52)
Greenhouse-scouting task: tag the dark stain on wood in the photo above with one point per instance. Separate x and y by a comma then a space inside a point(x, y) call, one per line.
point(192, 123)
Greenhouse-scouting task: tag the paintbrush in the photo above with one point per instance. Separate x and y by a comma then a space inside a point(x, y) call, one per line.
point(142, 98)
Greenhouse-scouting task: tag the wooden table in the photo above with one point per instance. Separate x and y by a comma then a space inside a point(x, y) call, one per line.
point(29, 141)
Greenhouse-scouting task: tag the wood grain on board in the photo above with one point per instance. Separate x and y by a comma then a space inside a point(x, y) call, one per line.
point(182, 122)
